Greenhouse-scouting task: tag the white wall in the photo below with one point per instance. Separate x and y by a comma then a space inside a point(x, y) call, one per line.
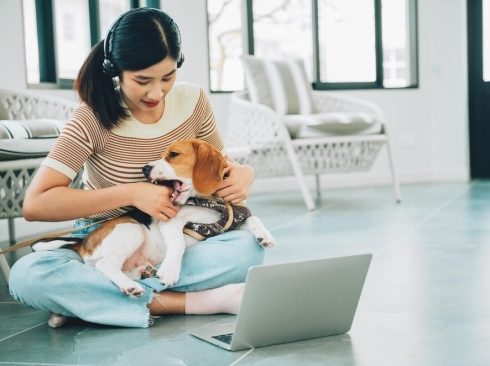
point(428, 125)
point(12, 64)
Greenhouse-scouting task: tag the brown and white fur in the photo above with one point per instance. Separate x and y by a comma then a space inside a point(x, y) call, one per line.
point(123, 248)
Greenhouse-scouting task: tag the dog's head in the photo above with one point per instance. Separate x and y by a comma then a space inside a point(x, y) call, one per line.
point(187, 165)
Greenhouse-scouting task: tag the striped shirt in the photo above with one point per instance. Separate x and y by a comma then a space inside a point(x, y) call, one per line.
point(116, 156)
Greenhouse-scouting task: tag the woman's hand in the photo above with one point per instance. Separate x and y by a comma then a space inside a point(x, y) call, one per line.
point(236, 187)
point(154, 200)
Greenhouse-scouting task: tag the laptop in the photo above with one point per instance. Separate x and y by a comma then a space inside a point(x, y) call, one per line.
point(292, 302)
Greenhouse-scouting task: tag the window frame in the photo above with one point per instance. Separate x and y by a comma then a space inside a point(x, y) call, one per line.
point(412, 9)
point(48, 77)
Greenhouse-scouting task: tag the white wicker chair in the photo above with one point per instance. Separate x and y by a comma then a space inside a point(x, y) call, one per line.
point(15, 175)
point(274, 153)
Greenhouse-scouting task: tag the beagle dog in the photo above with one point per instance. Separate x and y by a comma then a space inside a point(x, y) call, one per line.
point(128, 247)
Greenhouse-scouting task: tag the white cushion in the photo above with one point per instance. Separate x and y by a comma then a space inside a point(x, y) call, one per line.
point(280, 85)
point(13, 149)
point(30, 128)
point(33, 138)
point(331, 124)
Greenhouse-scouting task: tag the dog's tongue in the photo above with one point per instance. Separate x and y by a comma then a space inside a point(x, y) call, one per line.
point(177, 185)
point(178, 188)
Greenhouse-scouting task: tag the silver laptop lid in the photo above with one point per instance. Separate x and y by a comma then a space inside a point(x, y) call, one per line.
point(300, 300)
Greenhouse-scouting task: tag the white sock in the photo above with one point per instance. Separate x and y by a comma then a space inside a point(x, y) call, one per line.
point(56, 320)
point(226, 299)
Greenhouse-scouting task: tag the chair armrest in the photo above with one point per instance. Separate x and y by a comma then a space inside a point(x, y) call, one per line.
point(326, 102)
point(238, 154)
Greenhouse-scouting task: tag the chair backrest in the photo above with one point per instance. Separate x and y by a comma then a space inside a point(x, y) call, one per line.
point(24, 105)
point(279, 84)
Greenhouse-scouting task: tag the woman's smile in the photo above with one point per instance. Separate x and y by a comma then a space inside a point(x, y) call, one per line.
point(152, 104)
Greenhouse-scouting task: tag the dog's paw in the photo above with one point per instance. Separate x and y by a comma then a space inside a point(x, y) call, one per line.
point(266, 241)
point(261, 234)
point(132, 289)
point(169, 273)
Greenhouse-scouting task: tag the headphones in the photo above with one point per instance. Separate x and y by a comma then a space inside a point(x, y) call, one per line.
point(108, 66)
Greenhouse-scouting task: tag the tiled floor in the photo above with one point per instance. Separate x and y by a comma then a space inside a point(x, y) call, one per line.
point(426, 300)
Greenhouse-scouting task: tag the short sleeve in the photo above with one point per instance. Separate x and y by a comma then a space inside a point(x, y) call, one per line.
point(81, 137)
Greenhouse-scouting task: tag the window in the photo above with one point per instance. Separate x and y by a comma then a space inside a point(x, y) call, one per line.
point(486, 39)
point(225, 36)
point(346, 35)
point(399, 44)
point(109, 10)
point(282, 29)
point(59, 34)
point(343, 43)
point(31, 44)
point(72, 36)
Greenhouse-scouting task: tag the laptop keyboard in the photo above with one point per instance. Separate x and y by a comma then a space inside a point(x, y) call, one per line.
point(225, 338)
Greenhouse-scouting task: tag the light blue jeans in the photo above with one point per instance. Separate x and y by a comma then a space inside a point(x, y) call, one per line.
point(59, 281)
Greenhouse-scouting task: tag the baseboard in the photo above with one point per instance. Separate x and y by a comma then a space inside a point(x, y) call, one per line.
point(351, 180)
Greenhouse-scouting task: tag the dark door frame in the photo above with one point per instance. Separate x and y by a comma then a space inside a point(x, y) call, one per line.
point(478, 95)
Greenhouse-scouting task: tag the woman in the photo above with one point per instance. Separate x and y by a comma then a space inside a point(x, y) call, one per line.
point(132, 110)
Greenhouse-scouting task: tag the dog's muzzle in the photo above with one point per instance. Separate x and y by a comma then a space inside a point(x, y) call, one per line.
point(147, 171)
point(178, 186)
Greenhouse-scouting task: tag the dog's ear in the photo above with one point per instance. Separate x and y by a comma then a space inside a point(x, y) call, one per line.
point(209, 168)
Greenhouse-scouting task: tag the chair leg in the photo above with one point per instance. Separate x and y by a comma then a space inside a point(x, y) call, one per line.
point(318, 187)
point(394, 178)
point(300, 176)
point(11, 225)
point(4, 267)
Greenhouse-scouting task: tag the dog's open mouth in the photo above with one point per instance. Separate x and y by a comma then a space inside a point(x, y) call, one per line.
point(178, 187)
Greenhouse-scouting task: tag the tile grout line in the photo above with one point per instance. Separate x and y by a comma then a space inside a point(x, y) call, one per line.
point(283, 224)
point(317, 209)
point(423, 220)
point(242, 357)
point(22, 331)
point(37, 364)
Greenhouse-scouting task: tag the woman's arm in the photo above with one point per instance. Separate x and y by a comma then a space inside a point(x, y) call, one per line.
point(236, 187)
point(48, 198)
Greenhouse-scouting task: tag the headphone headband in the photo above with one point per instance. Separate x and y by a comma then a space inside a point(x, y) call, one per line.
point(108, 66)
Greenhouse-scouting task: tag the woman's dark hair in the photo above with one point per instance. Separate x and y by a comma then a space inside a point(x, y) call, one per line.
point(138, 39)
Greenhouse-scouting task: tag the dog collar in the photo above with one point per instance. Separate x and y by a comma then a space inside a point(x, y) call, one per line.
point(231, 217)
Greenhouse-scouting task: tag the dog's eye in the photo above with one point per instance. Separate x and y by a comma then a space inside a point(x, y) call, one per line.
point(173, 154)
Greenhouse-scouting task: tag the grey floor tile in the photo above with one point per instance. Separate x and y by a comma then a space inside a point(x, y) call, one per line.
point(329, 351)
point(426, 301)
point(3, 285)
point(16, 318)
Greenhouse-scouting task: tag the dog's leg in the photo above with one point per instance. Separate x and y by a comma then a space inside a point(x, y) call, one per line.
point(257, 228)
point(172, 232)
point(114, 250)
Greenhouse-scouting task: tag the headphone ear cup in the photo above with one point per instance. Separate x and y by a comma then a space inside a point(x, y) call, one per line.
point(109, 68)
point(181, 60)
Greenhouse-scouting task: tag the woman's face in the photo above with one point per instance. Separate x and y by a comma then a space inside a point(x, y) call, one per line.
point(144, 90)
